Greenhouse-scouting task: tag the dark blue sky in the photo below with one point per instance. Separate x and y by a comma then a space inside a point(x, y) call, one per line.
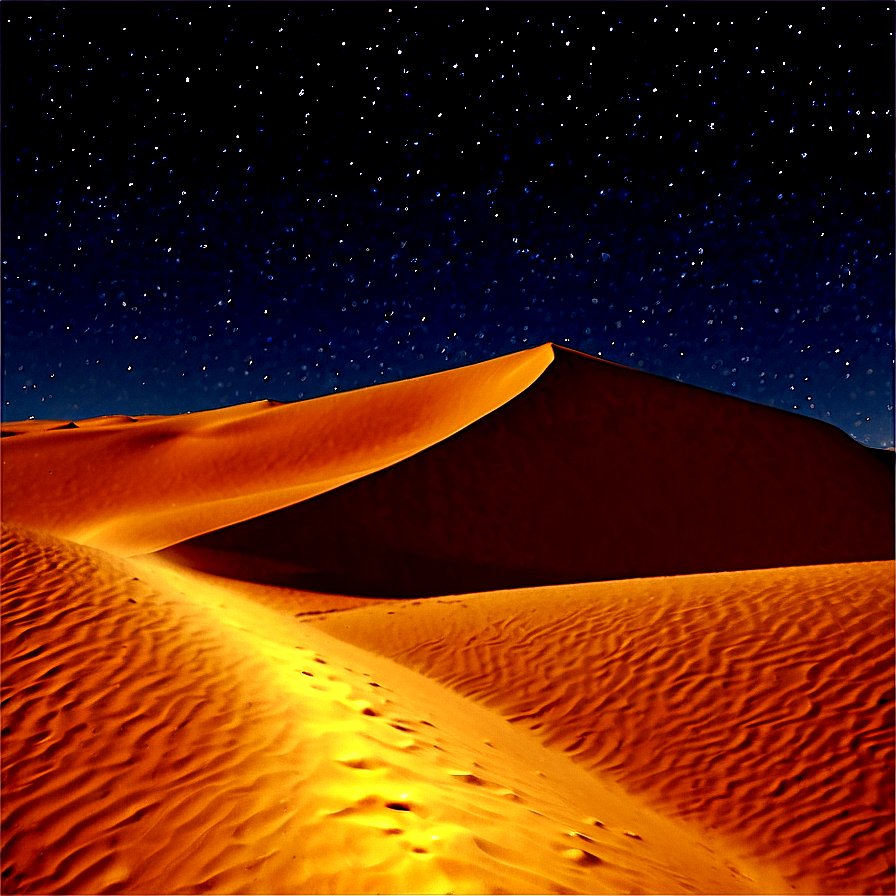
point(206, 204)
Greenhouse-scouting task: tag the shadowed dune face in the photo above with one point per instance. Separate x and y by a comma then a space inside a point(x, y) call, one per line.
point(593, 472)
point(886, 456)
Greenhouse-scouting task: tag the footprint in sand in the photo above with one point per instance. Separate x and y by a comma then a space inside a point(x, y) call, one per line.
point(398, 726)
point(580, 836)
point(373, 802)
point(469, 778)
point(362, 763)
point(581, 857)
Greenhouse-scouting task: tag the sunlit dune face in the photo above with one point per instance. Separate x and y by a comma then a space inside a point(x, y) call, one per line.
point(759, 704)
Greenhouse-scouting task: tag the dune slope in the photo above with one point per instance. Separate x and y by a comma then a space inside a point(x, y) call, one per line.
point(655, 654)
point(758, 704)
point(187, 741)
point(593, 472)
point(132, 485)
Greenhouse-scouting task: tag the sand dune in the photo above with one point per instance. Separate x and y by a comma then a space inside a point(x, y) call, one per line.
point(683, 685)
point(133, 485)
point(759, 704)
point(160, 741)
point(593, 472)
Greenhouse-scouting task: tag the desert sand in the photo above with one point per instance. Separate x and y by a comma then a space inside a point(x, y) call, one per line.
point(542, 624)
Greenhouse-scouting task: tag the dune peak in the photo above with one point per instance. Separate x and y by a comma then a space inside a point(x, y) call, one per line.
point(350, 644)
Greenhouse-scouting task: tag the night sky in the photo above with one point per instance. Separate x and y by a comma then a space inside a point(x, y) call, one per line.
point(205, 204)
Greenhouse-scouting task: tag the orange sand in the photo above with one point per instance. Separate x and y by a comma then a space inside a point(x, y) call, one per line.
point(758, 704)
point(683, 684)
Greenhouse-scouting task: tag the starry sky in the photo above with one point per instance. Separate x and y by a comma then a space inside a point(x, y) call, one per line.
point(210, 203)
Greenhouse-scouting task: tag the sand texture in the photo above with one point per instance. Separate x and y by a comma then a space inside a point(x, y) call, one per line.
point(539, 625)
point(730, 699)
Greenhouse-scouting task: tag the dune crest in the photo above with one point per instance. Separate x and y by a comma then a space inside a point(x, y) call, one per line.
point(134, 485)
point(650, 645)
point(593, 472)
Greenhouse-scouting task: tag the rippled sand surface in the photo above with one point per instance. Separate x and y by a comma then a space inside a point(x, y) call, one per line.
point(540, 625)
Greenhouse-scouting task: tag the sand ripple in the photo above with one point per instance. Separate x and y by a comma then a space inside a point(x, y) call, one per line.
point(162, 734)
point(758, 704)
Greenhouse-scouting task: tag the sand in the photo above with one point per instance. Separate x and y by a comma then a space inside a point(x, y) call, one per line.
point(539, 625)
point(730, 699)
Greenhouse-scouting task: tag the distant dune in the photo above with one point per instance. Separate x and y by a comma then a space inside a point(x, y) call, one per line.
point(543, 624)
point(133, 485)
point(592, 472)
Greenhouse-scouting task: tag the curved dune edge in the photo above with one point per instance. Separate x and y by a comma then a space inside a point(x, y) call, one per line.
point(757, 704)
point(169, 730)
point(580, 432)
point(165, 734)
point(134, 485)
point(593, 472)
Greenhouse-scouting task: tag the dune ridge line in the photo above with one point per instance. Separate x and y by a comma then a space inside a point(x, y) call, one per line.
point(135, 487)
point(592, 472)
point(544, 624)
